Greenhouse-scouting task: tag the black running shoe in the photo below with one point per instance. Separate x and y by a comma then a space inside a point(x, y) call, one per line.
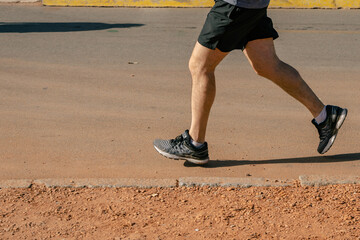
point(329, 128)
point(181, 148)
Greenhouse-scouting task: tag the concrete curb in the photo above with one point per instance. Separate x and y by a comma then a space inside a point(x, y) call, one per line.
point(228, 182)
point(305, 180)
point(316, 180)
point(200, 3)
point(15, 183)
point(107, 182)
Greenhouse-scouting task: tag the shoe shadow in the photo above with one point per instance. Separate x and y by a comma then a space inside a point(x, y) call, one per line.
point(318, 159)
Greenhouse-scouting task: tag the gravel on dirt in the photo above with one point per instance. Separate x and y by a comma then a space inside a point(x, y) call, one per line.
point(294, 212)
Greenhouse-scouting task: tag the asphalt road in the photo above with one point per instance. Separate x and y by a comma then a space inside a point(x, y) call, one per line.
point(84, 91)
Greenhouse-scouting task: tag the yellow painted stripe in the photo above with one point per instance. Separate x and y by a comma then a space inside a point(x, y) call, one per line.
point(201, 3)
point(303, 4)
point(348, 3)
point(315, 3)
point(131, 3)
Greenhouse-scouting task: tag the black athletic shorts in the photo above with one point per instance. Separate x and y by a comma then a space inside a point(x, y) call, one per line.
point(228, 27)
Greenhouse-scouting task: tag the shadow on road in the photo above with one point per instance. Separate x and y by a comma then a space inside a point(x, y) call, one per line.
point(318, 159)
point(31, 27)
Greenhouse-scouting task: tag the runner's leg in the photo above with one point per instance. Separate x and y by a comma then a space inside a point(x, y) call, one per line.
point(202, 66)
point(262, 56)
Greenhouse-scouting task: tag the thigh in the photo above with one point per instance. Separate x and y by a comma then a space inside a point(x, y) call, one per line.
point(205, 57)
point(261, 53)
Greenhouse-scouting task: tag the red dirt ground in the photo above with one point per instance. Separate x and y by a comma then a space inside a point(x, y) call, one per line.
point(296, 212)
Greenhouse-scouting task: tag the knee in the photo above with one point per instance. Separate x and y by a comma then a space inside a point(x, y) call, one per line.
point(198, 67)
point(268, 68)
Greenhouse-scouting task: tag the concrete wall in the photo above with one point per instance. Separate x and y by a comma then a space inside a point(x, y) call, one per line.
point(193, 3)
point(202, 3)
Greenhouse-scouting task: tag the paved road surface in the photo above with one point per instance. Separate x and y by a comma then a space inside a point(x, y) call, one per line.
point(71, 105)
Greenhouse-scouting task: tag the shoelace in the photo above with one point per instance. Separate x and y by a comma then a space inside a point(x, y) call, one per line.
point(324, 132)
point(177, 140)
